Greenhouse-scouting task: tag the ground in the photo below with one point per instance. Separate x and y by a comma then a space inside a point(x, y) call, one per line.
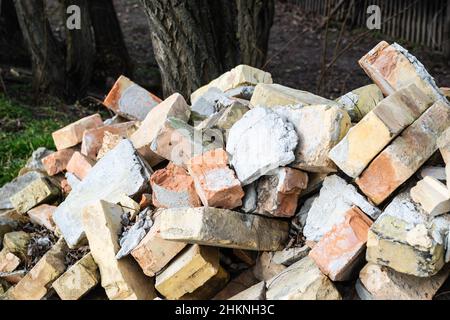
point(294, 60)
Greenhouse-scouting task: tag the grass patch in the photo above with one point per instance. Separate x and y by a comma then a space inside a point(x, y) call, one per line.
point(23, 129)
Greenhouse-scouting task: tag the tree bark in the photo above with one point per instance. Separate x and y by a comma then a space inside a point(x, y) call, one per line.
point(197, 40)
point(112, 59)
point(11, 40)
point(80, 50)
point(46, 53)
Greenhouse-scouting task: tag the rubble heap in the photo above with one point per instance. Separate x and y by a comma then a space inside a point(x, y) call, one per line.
point(254, 191)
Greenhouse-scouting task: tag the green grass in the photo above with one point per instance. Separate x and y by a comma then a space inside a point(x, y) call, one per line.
point(23, 129)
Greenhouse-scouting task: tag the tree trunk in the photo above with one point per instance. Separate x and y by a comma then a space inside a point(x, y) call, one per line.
point(197, 40)
point(112, 59)
point(80, 50)
point(255, 18)
point(11, 39)
point(46, 53)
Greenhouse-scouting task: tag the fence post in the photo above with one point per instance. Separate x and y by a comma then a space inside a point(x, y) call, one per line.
point(446, 37)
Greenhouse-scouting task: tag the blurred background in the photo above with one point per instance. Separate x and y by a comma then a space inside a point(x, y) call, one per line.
point(51, 75)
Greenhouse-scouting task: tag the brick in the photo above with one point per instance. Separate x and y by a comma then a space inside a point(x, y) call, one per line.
point(210, 288)
point(330, 208)
point(173, 188)
point(342, 248)
point(404, 239)
point(290, 256)
point(392, 68)
point(278, 193)
point(405, 155)
point(173, 106)
point(265, 268)
point(80, 165)
point(78, 280)
point(301, 281)
point(43, 216)
point(72, 134)
point(16, 185)
point(93, 138)
point(37, 192)
point(190, 270)
point(378, 128)
point(263, 134)
point(122, 279)
point(361, 101)
point(383, 283)
point(8, 261)
point(36, 284)
point(110, 141)
point(125, 173)
point(436, 172)
point(57, 161)
point(272, 95)
point(223, 228)
point(17, 243)
point(319, 129)
point(153, 253)
point(179, 142)
point(129, 100)
point(444, 145)
point(236, 77)
point(432, 195)
point(146, 201)
point(215, 183)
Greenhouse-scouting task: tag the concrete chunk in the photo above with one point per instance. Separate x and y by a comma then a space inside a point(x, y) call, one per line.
point(122, 279)
point(264, 135)
point(119, 172)
point(37, 192)
point(190, 270)
point(72, 134)
point(319, 129)
point(405, 155)
point(301, 281)
point(378, 128)
point(129, 100)
point(223, 228)
point(78, 280)
point(330, 208)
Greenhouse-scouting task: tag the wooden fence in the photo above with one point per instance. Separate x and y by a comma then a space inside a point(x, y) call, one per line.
point(424, 22)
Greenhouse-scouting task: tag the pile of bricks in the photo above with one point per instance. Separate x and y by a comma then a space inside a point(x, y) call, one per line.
point(254, 191)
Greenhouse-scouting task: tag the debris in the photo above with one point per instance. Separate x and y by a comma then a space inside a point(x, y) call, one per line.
point(190, 270)
point(72, 134)
point(267, 137)
point(173, 187)
point(129, 100)
point(121, 279)
point(13, 187)
point(359, 102)
point(78, 280)
point(378, 128)
point(124, 172)
point(265, 268)
point(80, 165)
point(43, 216)
point(215, 183)
point(57, 161)
point(37, 192)
point(432, 195)
point(256, 292)
point(223, 228)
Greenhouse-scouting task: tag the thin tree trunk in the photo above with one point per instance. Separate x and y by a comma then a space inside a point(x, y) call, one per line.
point(255, 18)
point(11, 40)
point(46, 53)
point(80, 50)
point(112, 59)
